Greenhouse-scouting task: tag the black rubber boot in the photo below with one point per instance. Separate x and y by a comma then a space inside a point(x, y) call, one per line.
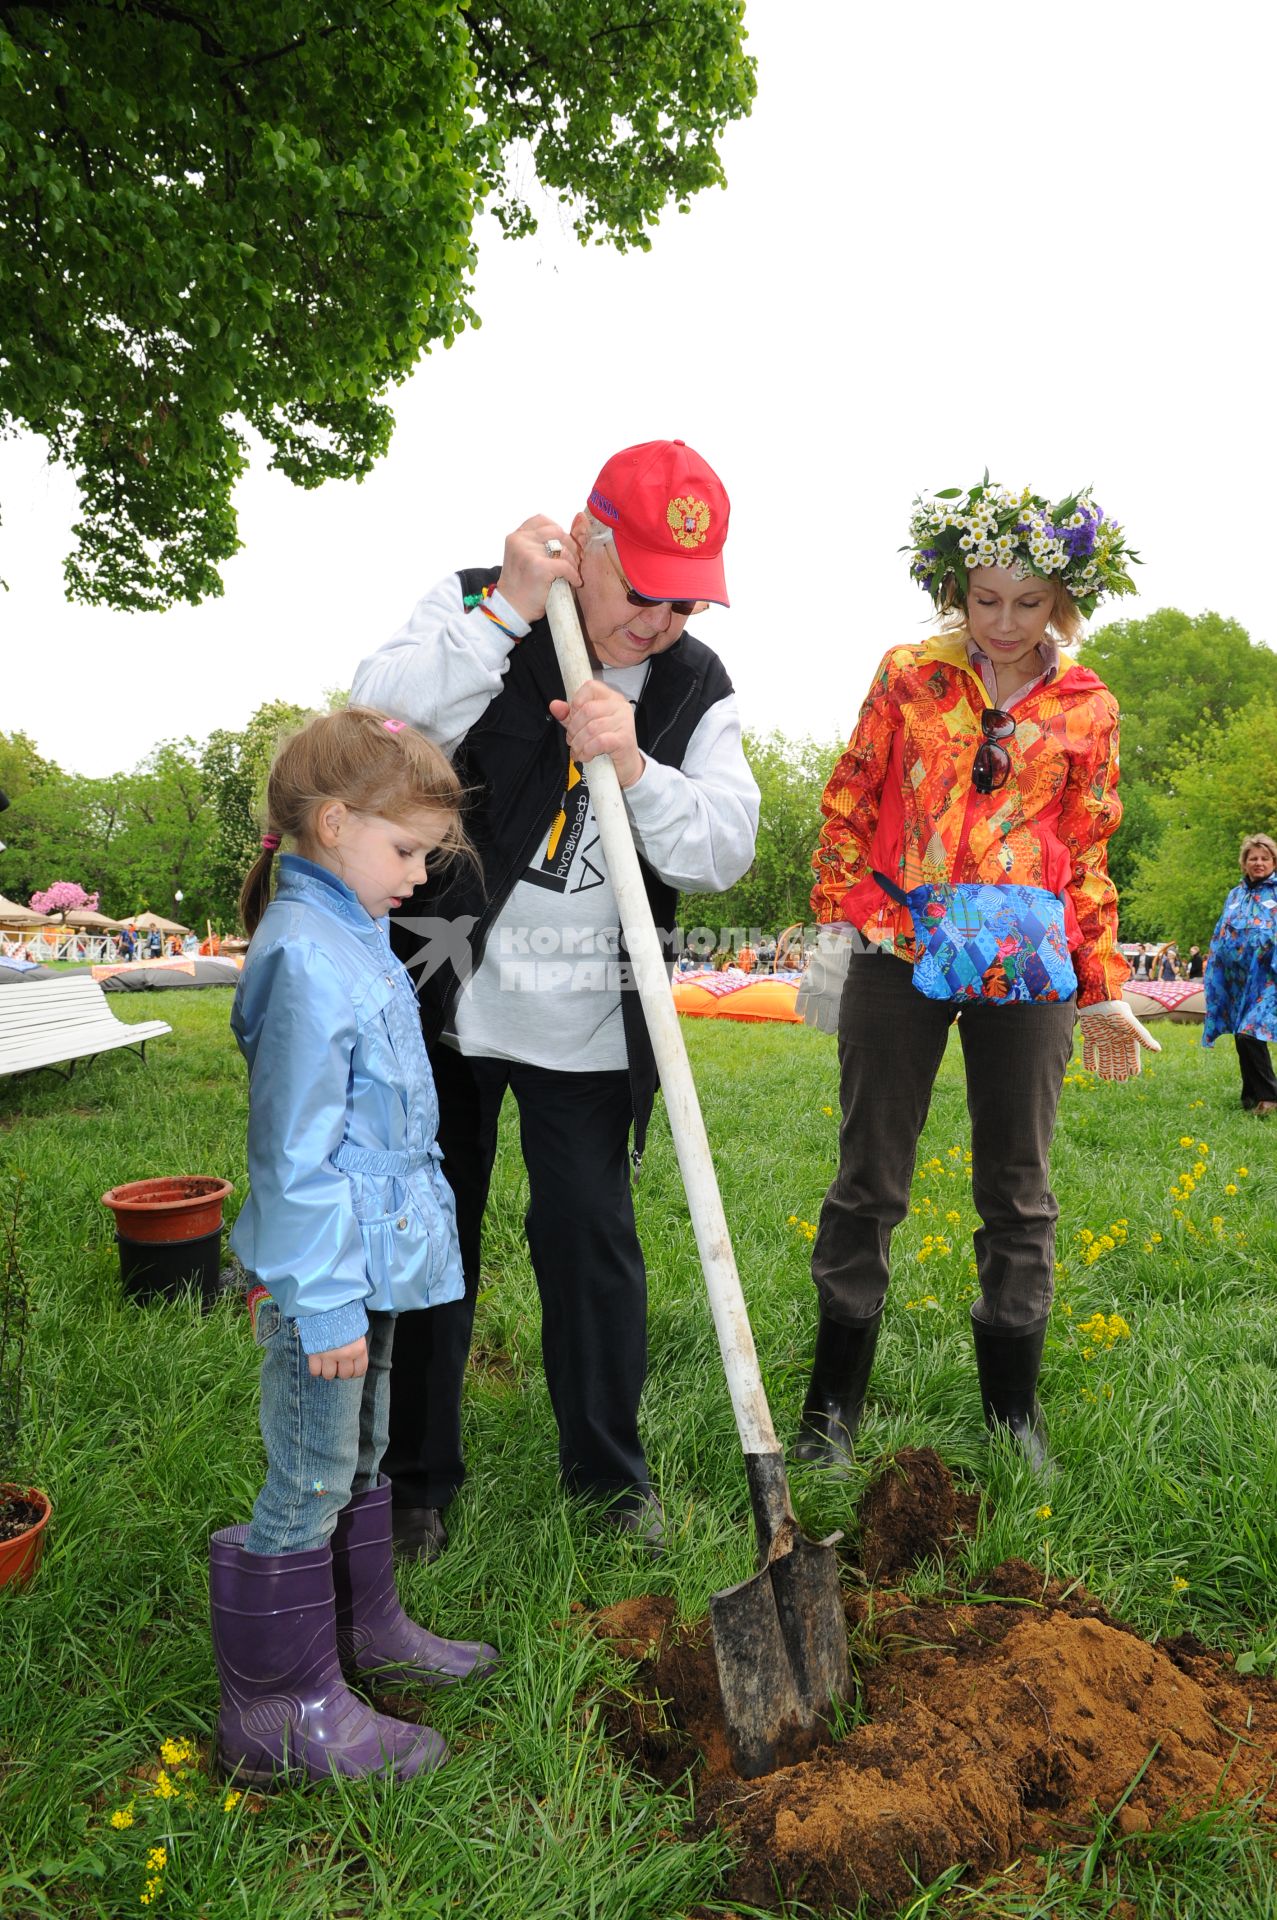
point(1008, 1361)
point(836, 1395)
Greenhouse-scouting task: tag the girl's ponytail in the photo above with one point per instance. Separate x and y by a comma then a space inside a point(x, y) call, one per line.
point(255, 894)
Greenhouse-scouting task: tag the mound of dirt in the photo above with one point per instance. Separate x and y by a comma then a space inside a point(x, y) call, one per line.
point(992, 1723)
point(912, 1513)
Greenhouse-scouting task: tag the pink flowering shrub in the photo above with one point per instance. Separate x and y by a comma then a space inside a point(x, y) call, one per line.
point(61, 897)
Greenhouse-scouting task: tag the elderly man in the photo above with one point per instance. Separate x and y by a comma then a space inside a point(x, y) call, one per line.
point(519, 965)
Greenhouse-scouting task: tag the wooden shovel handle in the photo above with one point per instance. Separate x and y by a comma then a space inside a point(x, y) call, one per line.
point(727, 1302)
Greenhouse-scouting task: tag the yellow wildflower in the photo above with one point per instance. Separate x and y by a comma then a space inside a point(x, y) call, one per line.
point(232, 1800)
point(157, 1859)
point(165, 1789)
point(123, 1816)
point(1242, 1172)
point(1179, 1584)
point(1232, 1188)
point(1044, 1513)
point(1186, 1139)
point(177, 1753)
point(827, 1110)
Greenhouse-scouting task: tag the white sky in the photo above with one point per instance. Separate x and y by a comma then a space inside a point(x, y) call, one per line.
point(954, 235)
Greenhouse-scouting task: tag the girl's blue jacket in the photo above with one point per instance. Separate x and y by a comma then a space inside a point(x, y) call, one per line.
point(347, 1208)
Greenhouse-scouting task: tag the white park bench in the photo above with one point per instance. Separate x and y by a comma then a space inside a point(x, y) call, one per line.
point(48, 1023)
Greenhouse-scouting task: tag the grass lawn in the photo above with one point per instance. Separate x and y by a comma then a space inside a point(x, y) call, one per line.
point(142, 1427)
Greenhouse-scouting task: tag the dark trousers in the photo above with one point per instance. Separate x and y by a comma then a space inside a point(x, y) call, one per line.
point(1258, 1082)
point(574, 1130)
point(891, 1040)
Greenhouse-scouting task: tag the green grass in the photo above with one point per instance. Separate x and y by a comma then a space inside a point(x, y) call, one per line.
point(142, 1427)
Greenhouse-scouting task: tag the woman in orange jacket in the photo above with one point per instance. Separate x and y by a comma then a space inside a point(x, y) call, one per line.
point(963, 857)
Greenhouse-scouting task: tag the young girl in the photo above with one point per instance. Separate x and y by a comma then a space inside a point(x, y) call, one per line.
point(348, 1221)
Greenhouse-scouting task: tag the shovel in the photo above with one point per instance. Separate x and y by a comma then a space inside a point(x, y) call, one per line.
point(780, 1639)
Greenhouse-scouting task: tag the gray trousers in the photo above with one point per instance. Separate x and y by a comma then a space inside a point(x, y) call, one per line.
point(891, 1040)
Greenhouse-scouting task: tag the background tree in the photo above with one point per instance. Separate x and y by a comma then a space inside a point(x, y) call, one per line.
point(226, 212)
point(1173, 675)
point(21, 765)
point(1223, 787)
point(235, 766)
point(166, 836)
point(791, 776)
point(64, 896)
point(133, 838)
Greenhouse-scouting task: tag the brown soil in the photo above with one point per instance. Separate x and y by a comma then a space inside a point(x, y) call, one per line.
point(18, 1514)
point(994, 1723)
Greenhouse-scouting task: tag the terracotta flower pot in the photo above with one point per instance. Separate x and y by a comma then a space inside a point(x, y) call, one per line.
point(20, 1555)
point(183, 1207)
point(169, 1234)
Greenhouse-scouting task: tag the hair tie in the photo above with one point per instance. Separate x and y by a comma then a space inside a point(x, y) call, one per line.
point(270, 841)
point(393, 726)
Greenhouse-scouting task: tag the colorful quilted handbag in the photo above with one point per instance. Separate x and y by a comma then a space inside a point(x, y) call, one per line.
point(978, 942)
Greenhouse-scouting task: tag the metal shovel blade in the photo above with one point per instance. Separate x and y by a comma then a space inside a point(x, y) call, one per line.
point(780, 1645)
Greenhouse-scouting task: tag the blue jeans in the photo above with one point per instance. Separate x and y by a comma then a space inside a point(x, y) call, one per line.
point(324, 1438)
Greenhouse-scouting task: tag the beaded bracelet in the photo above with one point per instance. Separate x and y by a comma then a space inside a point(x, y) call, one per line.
point(472, 600)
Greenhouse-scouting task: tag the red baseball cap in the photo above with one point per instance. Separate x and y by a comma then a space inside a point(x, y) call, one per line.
point(668, 511)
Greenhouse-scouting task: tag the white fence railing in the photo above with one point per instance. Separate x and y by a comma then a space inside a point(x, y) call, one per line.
point(65, 943)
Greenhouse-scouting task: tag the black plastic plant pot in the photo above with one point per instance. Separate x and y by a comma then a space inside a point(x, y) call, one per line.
point(165, 1269)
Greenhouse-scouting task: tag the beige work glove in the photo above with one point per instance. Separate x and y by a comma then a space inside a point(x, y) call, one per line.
point(820, 990)
point(1112, 1038)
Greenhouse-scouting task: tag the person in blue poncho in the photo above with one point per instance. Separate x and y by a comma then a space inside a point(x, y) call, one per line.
point(1241, 973)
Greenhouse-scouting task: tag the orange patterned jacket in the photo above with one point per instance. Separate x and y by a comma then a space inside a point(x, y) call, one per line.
point(900, 799)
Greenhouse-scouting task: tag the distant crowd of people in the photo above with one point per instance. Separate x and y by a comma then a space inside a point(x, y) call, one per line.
point(781, 955)
point(1164, 963)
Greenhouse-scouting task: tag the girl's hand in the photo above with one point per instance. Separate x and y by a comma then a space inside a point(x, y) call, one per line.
point(341, 1363)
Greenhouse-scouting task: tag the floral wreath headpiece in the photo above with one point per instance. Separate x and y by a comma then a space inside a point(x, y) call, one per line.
point(990, 526)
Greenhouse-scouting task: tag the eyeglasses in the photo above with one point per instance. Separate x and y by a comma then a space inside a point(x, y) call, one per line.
point(681, 607)
point(991, 768)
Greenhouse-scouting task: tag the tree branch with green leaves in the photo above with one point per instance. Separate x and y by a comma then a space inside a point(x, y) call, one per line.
point(219, 218)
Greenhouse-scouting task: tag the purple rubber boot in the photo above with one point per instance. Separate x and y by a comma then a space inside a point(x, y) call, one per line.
point(286, 1711)
point(374, 1634)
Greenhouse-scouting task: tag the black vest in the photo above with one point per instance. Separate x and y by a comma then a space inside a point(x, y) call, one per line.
point(513, 764)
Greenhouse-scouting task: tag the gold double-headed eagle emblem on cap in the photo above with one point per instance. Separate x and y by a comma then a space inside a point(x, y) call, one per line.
point(688, 520)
